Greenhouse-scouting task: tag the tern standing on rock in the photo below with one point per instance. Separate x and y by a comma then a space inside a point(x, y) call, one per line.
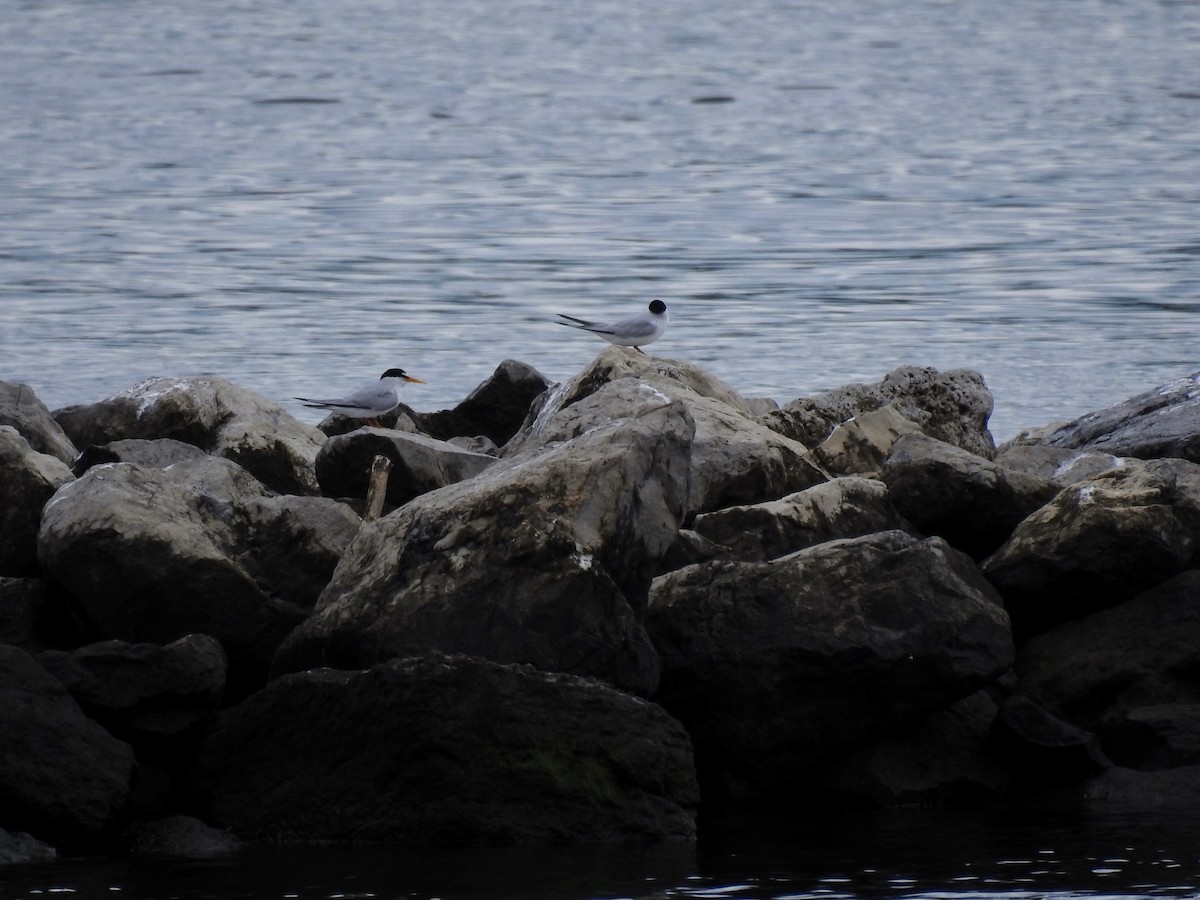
point(634, 331)
point(370, 401)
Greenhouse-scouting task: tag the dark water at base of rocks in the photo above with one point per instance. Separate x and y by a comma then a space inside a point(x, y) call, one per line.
point(916, 854)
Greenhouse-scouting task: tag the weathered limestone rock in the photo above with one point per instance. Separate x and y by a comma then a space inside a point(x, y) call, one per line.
point(495, 410)
point(734, 459)
point(419, 464)
point(775, 666)
point(27, 480)
point(152, 555)
point(543, 558)
point(21, 408)
point(1098, 543)
point(459, 747)
point(861, 445)
point(140, 690)
point(218, 417)
point(63, 778)
point(1137, 654)
point(841, 508)
point(157, 454)
point(1163, 422)
point(1063, 467)
point(972, 502)
point(951, 406)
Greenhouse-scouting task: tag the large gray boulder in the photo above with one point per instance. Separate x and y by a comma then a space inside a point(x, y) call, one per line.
point(841, 508)
point(951, 406)
point(1158, 736)
point(544, 558)
point(143, 690)
point(436, 748)
point(419, 464)
point(211, 413)
point(27, 480)
point(774, 666)
point(971, 501)
point(152, 555)
point(21, 408)
point(157, 454)
point(734, 459)
point(1137, 654)
point(63, 778)
point(1162, 422)
point(1098, 543)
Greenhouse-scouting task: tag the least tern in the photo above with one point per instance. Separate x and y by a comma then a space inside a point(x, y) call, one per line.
point(371, 400)
point(633, 331)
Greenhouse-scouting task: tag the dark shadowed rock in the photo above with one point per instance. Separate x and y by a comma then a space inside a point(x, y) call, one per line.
point(1042, 750)
point(20, 847)
point(32, 617)
point(419, 464)
point(156, 454)
point(951, 406)
point(1126, 790)
point(774, 666)
point(1099, 542)
point(143, 690)
point(179, 837)
point(211, 413)
point(943, 758)
point(734, 459)
point(972, 502)
point(1153, 737)
point(27, 480)
point(496, 409)
point(842, 508)
point(63, 778)
point(542, 559)
point(458, 748)
point(1163, 422)
point(1140, 653)
point(152, 555)
point(20, 408)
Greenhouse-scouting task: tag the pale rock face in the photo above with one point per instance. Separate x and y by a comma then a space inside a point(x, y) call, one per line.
point(543, 558)
point(951, 406)
point(211, 413)
point(734, 458)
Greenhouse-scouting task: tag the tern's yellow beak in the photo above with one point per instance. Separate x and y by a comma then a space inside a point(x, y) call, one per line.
point(413, 380)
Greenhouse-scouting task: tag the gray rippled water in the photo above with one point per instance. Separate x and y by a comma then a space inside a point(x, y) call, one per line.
point(298, 195)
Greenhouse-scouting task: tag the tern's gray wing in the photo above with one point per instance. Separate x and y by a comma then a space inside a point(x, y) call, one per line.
point(373, 396)
point(632, 327)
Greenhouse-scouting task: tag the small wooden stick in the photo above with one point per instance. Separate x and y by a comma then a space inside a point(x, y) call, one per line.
point(377, 489)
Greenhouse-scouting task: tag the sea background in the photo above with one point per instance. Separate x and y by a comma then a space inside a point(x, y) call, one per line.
point(298, 195)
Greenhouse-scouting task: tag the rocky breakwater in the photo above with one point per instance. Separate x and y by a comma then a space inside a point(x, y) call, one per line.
point(589, 611)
